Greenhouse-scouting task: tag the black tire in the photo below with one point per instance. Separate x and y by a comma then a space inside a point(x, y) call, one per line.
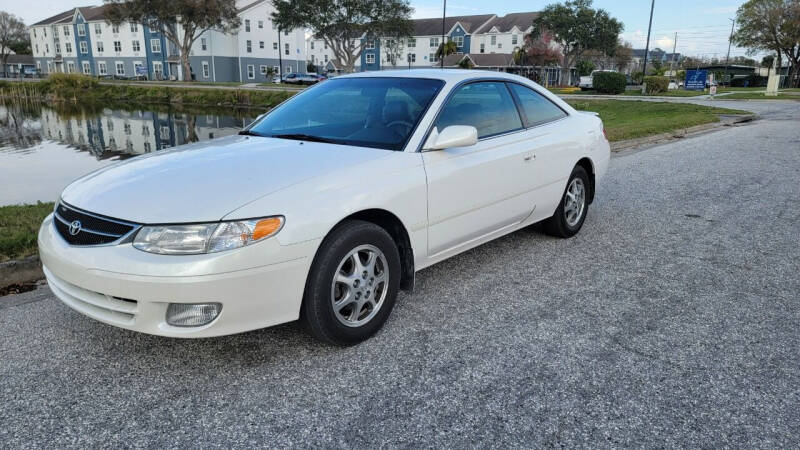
point(317, 311)
point(558, 225)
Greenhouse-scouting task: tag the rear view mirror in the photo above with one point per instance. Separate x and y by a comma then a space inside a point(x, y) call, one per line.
point(452, 136)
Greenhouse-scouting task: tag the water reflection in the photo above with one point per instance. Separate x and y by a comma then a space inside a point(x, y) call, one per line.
point(43, 148)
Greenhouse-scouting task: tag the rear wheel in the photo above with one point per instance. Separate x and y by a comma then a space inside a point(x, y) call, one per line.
point(352, 285)
point(571, 212)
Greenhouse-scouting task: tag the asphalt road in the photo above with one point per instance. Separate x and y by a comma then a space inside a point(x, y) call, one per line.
point(673, 319)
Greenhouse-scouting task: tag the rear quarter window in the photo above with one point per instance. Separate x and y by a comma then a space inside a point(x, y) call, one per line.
point(537, 109)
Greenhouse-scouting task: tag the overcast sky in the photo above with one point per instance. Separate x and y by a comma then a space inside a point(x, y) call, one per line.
point(703, 26)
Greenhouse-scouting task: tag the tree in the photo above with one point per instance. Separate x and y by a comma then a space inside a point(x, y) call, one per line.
point(310, 67)
point(12, 30)
point(540, 49)
point(768, 61)
point(342, 23)
point(584, 67)
point(181, 21)
point(770, 25)
point(446, 48)
point(394, 50)
point(577, 27)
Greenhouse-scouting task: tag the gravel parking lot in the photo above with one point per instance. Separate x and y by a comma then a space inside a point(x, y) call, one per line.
point(673, 319)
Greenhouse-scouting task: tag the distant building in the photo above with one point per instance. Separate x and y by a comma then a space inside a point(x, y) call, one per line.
point(81, 40)
point(489, 41)
point(656, 54)
point(19, 65)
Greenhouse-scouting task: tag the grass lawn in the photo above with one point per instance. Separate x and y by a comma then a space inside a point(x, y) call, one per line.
point(677, 93)
point(624, 119)
point(759, 96)
point(19, 225)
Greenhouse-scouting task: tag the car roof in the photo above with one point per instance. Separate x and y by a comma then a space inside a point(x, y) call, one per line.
point(448, 75)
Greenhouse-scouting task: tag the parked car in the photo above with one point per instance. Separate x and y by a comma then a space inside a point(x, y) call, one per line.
point(587, 82)
point(301, 78)
point(324, 207)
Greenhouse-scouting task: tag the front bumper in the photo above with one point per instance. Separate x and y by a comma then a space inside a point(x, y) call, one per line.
point(258, 286)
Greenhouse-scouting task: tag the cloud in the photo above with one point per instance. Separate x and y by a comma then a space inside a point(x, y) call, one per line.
point(665, 42)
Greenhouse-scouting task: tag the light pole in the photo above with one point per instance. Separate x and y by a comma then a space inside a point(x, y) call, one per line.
point(647, 44)
point(728, 57)
point(280, 57)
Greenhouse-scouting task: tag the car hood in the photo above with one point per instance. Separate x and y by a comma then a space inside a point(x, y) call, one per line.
point(205, 181)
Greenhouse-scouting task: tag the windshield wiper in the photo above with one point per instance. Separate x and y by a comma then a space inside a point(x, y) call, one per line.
point(250, 133)
point(305, 137)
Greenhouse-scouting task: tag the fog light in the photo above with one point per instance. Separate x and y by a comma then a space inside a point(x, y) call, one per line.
point(192, 315)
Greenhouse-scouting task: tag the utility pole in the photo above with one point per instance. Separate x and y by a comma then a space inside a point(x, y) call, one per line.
point(672, 62)
point(647, 44)
point(444, 17)
point(727, 58)
point(280, 57)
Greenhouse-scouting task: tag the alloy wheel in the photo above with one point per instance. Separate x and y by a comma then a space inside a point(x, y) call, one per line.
point(359, 285)
point(574, 202)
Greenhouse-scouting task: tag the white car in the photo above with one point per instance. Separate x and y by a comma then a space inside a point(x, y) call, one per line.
point(322, 209)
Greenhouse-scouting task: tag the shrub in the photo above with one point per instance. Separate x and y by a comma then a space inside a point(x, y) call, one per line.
point(60, 81)
point(609, 82)
point(656, 84)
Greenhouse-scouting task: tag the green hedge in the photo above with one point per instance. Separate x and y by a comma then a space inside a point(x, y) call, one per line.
point(609, 82)
point(656, 85)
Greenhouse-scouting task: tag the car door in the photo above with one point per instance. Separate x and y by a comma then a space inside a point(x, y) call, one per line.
point(553, 143)
point(475, 190)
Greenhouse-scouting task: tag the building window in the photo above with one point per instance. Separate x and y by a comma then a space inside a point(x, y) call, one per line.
point(97, 29)
point(247, 25)
point(137, 68)
point(84, 47)
point(412, 57)
point(276, 69)
point(500, 45)
point(260, 44)
point(288, 69)
point(326, 58)
point(158, 70)
point(135, 46)
point(47, 48)
point(36, 47)
point(99, 46)
point(286, 49)
point(115, 29)
point(274, 45)
point(45, 31)
point(459, 40)
point(155, 45)
point(432, 57)
point(494, 40)
point(249, 46)
point(370, 58)
point(71, 67)
point(260, 24)
point(286, 33)
point(412, 43)
point(134, 28)
point(203, 44)
point(117, 46)
point(58, 48)
point(435, 42)
point(483, 47)
point(514, 39)
point(312, 45)
point(263, 70)
point(206, 71)
point(34, 32)
point(66, 31)
point(369, 45)
point(87, 69)
point(68, 47)
point(101, 68)
point(120, 68)
point(251, 71)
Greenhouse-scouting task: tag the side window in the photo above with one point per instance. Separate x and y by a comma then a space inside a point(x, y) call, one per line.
point(485, 105)
point(537, 109)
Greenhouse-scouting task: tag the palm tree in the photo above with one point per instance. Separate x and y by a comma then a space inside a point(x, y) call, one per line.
point(448, 48)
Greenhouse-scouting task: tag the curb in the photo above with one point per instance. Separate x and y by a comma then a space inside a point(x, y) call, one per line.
point(725, 121)
point(20, 271)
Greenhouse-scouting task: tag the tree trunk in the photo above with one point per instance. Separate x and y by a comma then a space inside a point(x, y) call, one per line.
point(187, 68)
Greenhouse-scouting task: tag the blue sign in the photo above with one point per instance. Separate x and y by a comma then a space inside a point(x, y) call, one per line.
point(695, 80)
point(141, 70)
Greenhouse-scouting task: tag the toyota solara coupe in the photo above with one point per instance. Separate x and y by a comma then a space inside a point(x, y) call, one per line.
point(324, 208)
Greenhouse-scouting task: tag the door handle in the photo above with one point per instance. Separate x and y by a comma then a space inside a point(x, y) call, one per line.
point(530, 157)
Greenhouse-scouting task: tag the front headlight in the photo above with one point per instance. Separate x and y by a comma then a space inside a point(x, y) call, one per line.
point(205, 237)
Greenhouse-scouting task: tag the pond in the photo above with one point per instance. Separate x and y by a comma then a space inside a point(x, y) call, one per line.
point(45, 147)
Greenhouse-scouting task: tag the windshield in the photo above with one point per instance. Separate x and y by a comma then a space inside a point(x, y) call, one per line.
point(368, 112)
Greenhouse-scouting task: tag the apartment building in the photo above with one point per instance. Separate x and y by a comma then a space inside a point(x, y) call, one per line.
point(81, 40)
point(473, 34)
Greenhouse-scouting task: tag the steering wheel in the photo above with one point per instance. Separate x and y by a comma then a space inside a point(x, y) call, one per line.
point(403, 123)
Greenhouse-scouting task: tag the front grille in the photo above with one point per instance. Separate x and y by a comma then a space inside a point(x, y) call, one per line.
point(79, 227)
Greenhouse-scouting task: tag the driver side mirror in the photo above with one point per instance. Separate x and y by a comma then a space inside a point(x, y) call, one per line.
point(452, 136)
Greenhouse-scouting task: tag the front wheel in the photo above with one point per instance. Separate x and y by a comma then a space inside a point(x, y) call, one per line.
point(352, 285)
point(571, 212)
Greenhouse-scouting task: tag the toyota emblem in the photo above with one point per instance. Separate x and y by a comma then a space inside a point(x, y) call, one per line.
point(75, 227)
